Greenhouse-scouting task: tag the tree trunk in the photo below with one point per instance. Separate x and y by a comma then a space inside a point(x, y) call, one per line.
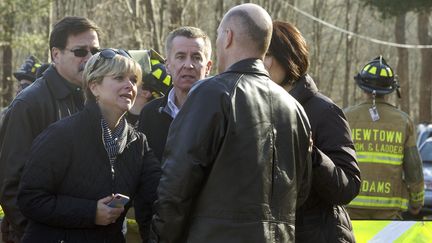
point(219, 12)
point(355, 45)
point(7, 84)
point(291, 12)
point(138, 24)
point(176, 14)
point(274, 7)
point(162, 14)
point(348, 44)
point(152, 26)
point(48, 23)
point(139, 43)
point(402, 65)
point(317, 6)
point(334, 70)
point(426, 70)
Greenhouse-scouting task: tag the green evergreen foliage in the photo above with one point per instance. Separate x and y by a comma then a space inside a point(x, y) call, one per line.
point(20, 26)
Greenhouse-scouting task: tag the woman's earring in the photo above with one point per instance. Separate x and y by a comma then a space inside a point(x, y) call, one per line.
point(97, 98)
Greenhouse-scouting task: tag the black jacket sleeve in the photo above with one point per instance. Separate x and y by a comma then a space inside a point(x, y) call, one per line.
point(193, 140)
point(17, 134)
point(336, 175)
point(49, 158)
point(146, 195)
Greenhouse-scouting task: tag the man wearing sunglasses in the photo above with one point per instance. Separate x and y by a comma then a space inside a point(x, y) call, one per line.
point(57, 94)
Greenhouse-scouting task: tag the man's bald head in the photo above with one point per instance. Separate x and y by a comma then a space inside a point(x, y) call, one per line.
point(252, 25)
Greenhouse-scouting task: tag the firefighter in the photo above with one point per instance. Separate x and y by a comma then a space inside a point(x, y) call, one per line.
point(384, 138)
point(26, 74)
point(156, 81)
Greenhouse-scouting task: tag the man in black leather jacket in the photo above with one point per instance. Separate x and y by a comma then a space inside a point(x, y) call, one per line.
point(55, 95)
point(237, 160)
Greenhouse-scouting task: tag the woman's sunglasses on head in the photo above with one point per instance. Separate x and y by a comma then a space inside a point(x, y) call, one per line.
point(109, 53)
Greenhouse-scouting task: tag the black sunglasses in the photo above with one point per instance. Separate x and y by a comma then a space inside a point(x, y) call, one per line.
point(109, 53)
point(82, 52)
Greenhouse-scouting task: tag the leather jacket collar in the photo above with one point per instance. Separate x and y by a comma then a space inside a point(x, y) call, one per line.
point(57, 83)
point(250, 65)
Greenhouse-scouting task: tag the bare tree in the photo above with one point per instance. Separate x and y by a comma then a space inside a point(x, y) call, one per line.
point(152, 26)
point(144, 24)
point(291, 13)
point(219, 12)
point(348, 55)
point(162, 14)
point(331, 57)
point(355, 45)
point(8, 22)
point(402, 65)
point(316, 9)
point(275, 7)
point(48, 21)
point(426, 70)
point(176, 12)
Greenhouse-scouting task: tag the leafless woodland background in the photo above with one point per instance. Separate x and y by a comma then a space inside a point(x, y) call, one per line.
point(142, 24)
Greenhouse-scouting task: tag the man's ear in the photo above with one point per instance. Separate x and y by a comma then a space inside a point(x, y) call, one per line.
point(208, 67)
point(55, 53)
point(167, 67)
point(229, 37)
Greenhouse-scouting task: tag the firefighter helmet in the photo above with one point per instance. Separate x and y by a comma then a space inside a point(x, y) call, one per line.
point(158, 81)
point(28, 69)
point(155, 76)
point(377, 76)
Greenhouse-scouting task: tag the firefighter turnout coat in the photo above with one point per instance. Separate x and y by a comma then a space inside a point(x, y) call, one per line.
point(390, 165)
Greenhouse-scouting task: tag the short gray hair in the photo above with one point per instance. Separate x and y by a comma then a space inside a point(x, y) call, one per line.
point(188, 32)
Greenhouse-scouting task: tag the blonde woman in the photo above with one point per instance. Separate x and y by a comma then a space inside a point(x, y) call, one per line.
point(78, 163)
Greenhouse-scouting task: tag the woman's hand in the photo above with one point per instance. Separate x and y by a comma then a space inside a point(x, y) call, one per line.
point(106, 215)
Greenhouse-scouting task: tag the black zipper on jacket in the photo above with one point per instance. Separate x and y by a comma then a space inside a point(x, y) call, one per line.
point(112, 163)
point(112, 166)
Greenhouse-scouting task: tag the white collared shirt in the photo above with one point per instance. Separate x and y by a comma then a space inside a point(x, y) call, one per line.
point(171, 107)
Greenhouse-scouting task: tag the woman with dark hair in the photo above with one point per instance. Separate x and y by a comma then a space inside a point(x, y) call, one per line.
point(78, 163)
point(335, 174)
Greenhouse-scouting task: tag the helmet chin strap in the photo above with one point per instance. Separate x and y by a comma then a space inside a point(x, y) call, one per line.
point(373, 98)
point(397, 86)
point(398, 93)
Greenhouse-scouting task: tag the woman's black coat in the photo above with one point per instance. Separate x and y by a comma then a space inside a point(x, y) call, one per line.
point(69, 171)
point(335, 173)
